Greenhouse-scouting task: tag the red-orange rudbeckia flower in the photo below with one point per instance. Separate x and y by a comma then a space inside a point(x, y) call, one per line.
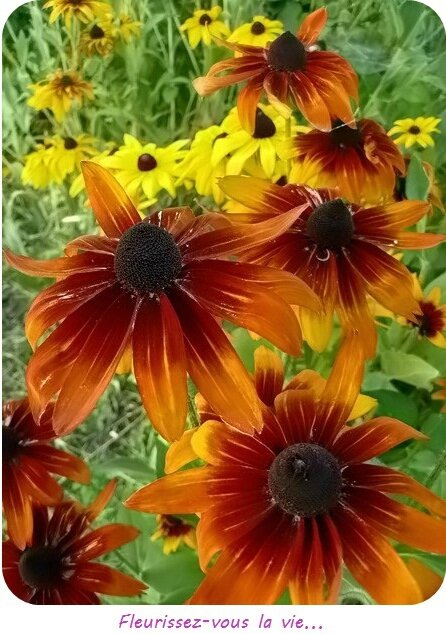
point(361, 162)
point(28, 460)
point(157, 285)
point(57, 568)
point(292, 74)
point(289, 505)
point(339, 249)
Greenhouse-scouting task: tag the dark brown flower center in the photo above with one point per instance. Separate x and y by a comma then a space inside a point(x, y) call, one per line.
point(257, 28)
point(146, 163)
point(414, 129)
point(330, 225)
point(344, 136)
point(172, 526)
point(10, 444)
point(147, 259)
point(70, 143)
point(205, 19)
point(66, 81)
point(96, 33)
point(431, 321)
point(286, 53)
point(264, 126)
point(41, 567)
point(305, 480)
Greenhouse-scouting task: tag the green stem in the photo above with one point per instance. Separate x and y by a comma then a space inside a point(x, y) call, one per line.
point(193, 414)
point(437, 470)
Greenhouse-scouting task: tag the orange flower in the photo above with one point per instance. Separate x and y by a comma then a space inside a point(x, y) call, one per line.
point(362, 162)
point(56, 567)
point(269, 376)
point(292, 74)
point(288, 506)
point(28, 460)
point(157, 285)
point(340, 250)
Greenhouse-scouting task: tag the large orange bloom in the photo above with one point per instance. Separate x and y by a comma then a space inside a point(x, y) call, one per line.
point(288, 506)
point(157, 285)
point(362, 163)
point(28, 460)
point(340, 250)
point(56, 567)
point(292, 74)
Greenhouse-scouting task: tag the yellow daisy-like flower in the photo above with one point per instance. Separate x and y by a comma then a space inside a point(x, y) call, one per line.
point(174, 532)
point(258, 32)
point(197, 166)
point(431, 321)
point(146, 167)
point(83, 10)
point(70, 151)
point(203, 25)
point(98, 39)
point(41, 167)
point(59, 91)
point(266, 144)
point(127, 27)
point(413, 131)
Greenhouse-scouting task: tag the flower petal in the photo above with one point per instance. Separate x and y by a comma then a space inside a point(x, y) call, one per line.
point(175, 220)
point(160, 366)
point(102, 540)
point(215, 367)
point(311, 27)
point(17, 507)
point(181, 492)
point(62, 463)
point(260, 195)
point(113, 209)
point(180, 452)
point(94, 577)
point(268, 375)
point(90, 262)
point(247, 101)
point(296, 414)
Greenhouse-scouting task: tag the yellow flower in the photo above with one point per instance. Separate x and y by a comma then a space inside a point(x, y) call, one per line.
point(258, 32)
point(174, 532)
point(70, 151)
point(305, 173)
point(58, 92)
point(197, 166)
point(83, 10)
point(417, 130)
point(431, 322)
point(41, 167)
point(203, 25)
point(127, 27)
point(146, 167)
point(265, 145)
point(98, 39)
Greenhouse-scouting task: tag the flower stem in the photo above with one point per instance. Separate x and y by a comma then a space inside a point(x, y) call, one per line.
point(437, 470)
point(193, 414)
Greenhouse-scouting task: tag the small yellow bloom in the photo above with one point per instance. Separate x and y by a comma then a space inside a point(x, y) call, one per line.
point(41, 167)
point(431, 322)
point(58, 92)
point(70, 151)
point(83, 10)
point(174, 532)
point(98, 39)
point(203, 25)
point(258, 32)
point(196, 165)
point(265, 145)
point(127, 27)
point(413, 131)
point(146, 167)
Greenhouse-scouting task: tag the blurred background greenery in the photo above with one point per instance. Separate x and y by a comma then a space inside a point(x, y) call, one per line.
point(144, 88)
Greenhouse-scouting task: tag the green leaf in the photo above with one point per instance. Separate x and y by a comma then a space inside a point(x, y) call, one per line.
point(408, 368)
point(176, 573)
point(396, 405)
point(135, 468)
point(417, 182)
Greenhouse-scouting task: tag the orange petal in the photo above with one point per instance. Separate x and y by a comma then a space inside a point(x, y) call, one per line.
point(103, 540)
point(413, 240)
point(311, 27)
point(175, 220)
point(113, 209)
point(181, 492)
point(237, 239)
point(388, 220)
point(160, 366)
point(62, 463)
point(244, 302)
point(428, 580)
point(17, 507)
point(269, 374)
point(372, 438)
point(61, 267)
point(100, 244)
point(95, 364)
point(215, 367)
point(260, 195)
point(94, 509)
point(38, 483)
point(180, 452)
point(96, 577)
point(374, 563)
point(296, 413)
point(247, 101)
point(310, 102)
